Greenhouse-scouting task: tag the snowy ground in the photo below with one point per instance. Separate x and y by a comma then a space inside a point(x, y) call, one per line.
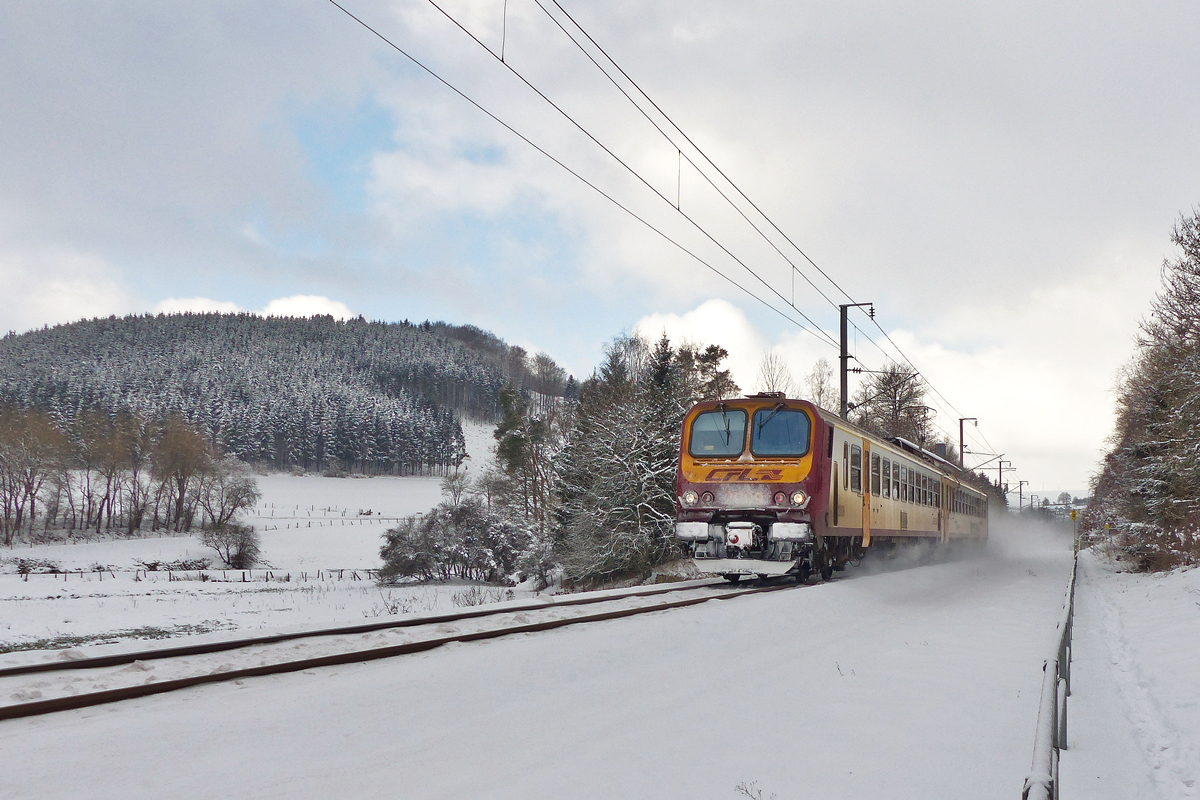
point(918, 682)
point(315, 532)
point(1134, 712)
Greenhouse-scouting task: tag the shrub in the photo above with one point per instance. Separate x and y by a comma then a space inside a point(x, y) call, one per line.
point(237, 545)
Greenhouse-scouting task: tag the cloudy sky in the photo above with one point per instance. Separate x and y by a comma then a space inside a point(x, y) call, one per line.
point(1000, 179)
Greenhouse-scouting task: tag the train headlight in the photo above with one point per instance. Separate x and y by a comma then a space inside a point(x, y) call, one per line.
point(689, 498)
point(799, 499)
point(780, 498)
point(708, 498)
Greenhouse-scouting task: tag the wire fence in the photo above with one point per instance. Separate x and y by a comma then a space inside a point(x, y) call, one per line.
point(1051, 734)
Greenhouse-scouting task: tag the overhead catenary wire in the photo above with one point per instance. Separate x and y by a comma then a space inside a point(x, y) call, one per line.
point(815, 330)
point(642, 179)
point(670, 121)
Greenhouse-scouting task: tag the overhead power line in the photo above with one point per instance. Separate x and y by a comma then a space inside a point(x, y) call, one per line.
point(816, 331)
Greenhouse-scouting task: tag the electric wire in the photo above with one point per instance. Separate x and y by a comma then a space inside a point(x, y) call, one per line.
point(577, 175)
point(667, 136)
point(903, 356)
point(815, 327)
point(814, 330)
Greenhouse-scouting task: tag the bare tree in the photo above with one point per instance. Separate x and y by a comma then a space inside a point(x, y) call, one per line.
point(226, 488)
point(892, 403)
point(819, 385)
point(177, 459)
point(31, 449)
point(774, 375)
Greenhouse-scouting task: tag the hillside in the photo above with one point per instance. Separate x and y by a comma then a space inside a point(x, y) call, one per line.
point(316, 393)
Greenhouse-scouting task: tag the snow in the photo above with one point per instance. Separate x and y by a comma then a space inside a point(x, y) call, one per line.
point(1134, 712)
point(312, 532)
point(893, 682)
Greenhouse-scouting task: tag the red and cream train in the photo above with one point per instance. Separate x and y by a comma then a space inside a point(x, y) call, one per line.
point(769, 486)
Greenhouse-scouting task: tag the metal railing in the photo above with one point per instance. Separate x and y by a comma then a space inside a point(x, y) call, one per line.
point(1051, 736)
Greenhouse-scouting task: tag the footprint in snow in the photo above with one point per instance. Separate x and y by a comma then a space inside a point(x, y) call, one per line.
point(23, 697)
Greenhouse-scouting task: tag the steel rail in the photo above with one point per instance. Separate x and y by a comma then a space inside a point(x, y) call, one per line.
point(39, 707)
point(118, 659)
point(1051, 731)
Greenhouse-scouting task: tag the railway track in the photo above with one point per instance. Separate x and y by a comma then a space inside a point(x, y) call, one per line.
point(106, 679)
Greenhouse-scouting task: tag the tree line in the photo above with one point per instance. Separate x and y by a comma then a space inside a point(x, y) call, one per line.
point(1148, 484)
point(585, 483)
point(117, 474)
point(317, 393)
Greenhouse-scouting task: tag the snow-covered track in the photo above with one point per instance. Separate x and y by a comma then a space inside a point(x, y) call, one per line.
point(703, 591)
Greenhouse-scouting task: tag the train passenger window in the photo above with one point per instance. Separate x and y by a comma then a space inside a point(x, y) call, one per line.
point(912, 485)
point(845, 464)
point(887, 478)
point(920, 489)
point(779, 431)
point(902, 495)
point(937, 494)
point(925, 490)
point(855, 468)
point(719, 433)
point(875, 475)
point(896, 481)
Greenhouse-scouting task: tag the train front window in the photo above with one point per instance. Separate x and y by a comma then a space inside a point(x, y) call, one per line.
point(718, 434)
point(780, 431)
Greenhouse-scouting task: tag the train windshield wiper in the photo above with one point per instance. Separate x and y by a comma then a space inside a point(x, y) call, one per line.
point(725, 419)
point(770, 417)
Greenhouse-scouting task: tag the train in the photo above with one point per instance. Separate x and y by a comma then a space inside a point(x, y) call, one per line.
point(770, 486)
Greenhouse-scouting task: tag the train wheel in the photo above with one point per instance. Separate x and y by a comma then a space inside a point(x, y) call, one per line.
point(732, 578)
point(802, 574)
point(826, 571)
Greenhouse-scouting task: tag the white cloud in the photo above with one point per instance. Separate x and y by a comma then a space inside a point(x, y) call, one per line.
point(306, 305)
point(55, 285)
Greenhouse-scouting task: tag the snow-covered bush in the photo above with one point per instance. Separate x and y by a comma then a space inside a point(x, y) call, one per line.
point(454, 541)
point(238, 546)
point(616, 475)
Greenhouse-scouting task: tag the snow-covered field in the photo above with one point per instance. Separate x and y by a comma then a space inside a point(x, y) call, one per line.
point(917, 682)
point(315, 532)
point(1134, 713)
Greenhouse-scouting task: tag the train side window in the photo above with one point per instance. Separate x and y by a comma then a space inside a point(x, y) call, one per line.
point(829, 455)
point(896, 480)
point(887, 478)
point(855, 468)
point(925, 491)
point(875, 475)
point(845, 464)
point(912, 485)
point(902, 495)
point(921, 496)
point(937, 494)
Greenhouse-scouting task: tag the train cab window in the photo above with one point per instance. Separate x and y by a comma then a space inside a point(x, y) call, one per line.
point(780, 431)
point(718, 434)
point(875, 475)
point(887, 478)
point(855, 468)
